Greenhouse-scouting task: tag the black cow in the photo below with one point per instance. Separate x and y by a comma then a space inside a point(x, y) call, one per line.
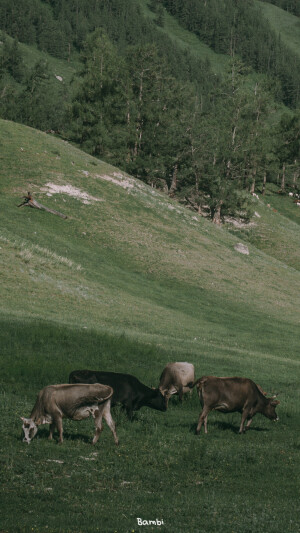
point(128, 390)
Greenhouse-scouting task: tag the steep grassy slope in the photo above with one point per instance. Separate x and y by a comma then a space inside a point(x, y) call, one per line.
point(128, 282)
point(274, 228)
point(123, 248)
point(285, 24)
point(187, 40)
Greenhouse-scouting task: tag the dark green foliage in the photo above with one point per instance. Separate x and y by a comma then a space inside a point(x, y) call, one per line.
point(11, 61)
point(38, 107)
point(152, 108)
point(100, 107)
point(133, 113)
point(292, 6)
point(234, 27)
point(26, 93)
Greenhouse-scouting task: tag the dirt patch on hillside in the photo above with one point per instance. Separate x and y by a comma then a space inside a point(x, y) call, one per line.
point(74, 192)
point(118, 179)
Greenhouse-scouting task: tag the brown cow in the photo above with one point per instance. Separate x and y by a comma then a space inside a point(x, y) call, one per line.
point(233, 394)
point(71, 401)
point(177, 378)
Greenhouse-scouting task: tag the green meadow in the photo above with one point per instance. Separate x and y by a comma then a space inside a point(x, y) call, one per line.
point(129, 282)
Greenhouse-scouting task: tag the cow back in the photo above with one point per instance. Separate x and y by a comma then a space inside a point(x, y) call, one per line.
point(124, 385)
point(228, 394)
point(176, 375)
point(128, 390)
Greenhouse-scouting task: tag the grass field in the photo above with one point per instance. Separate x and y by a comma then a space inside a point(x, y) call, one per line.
point(128, 282)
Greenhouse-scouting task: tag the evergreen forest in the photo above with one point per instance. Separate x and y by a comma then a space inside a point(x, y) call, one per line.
point(139, 100)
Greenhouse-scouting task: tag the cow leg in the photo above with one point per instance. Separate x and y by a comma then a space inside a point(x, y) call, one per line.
point(109, 420)
point(167, 396)
point(205, 424)
point(180, 393)
point(98, 423)
point(203, 418)
point(129, 411)
point(245, 415)
point(58, 422)
point(104, 411)
point(249, 423)
point(51, 430)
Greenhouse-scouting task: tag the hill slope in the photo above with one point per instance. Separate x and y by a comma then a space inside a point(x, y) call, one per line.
point(187, 40)
point(285, 24)
point(126, 248)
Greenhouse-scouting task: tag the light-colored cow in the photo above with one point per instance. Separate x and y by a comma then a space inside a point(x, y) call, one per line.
point(177, 378)
point(70, 401)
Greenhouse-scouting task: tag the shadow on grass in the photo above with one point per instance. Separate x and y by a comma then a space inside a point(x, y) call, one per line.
point(44, 434)
point(235, 429)
point(226, 426)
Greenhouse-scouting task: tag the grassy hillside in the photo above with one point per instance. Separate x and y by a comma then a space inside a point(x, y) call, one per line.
point(122, 237)
point(187, 40)
point(285, 24)
point(128, 282)
point(57, 67)
point(274, 228)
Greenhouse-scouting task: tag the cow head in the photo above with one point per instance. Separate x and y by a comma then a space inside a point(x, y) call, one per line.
point(269, 411)
point(29, 428)
point(158, 401)
point(166, 394)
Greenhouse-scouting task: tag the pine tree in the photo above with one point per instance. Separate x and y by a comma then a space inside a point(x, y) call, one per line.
point(99, 109)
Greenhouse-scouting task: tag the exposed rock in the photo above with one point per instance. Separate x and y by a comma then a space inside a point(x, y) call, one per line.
point(241, 248)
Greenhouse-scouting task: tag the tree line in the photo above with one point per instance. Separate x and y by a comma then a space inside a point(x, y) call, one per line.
point(153, 110)
point(292, 6)
point(131, 111)
point(238, 28)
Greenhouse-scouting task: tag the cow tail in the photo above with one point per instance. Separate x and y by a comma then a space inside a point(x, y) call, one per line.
point(38, 411)
point(110, 395)
point(199, 382)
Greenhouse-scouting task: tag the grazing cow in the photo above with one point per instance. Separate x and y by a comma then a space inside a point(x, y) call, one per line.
point(128, 390)
point(177, 378)
point(71, 401)
point(233, 394)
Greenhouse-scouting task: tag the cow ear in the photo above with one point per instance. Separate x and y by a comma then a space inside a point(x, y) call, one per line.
point(275, 402)
point(22, 418)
